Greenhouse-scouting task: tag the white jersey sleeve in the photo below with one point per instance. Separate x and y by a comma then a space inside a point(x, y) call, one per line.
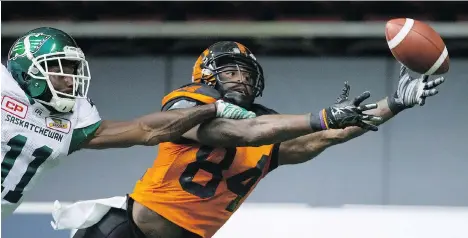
point(87, 113)
point(87, 124)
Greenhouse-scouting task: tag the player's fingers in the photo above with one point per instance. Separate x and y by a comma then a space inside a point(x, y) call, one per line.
point(359, 99)
point(367, 126)
point(428, 93)
point(367, 107)
point(403, 70)
point(248, 115)
point(345, 90)
point(344, 93)
point(434, 83)
point(371, 118)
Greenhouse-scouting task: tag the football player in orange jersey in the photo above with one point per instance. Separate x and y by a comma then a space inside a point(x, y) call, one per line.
point(196, 183)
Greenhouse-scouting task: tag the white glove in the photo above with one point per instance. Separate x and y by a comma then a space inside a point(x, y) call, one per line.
point(412, 91)
point(231, 111)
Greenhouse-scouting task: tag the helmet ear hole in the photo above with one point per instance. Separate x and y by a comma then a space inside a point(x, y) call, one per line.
point(38, 89)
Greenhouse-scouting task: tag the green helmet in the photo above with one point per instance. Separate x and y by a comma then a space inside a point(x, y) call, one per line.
point(42, 53)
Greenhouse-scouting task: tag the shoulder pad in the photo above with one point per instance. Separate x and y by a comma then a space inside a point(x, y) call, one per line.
point(86, 112)
point(180, 103)
point(200, 93)
point(261, 110)
point(90, 101)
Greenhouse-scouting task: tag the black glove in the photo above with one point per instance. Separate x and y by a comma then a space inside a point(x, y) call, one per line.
point(347, 113)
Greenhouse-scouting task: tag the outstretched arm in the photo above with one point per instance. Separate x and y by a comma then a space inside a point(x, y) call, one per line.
point(263, 130)
point(307, 147)
point(271, 129)
point(410, 92)
point(160, 127)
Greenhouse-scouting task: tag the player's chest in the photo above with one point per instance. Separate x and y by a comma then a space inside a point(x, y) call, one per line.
point(234, 161)
point(31, 127)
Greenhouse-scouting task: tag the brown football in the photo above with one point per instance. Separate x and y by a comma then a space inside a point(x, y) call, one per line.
point(417, 46)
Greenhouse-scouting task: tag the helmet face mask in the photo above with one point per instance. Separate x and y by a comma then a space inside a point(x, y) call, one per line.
point(43, 56)
point(57, 64)
point(226, 57)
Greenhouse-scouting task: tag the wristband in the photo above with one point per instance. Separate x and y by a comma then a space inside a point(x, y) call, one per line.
point(394, 107)
point(319, 123)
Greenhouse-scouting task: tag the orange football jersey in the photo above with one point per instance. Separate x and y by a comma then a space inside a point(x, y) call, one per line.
point(199, 187)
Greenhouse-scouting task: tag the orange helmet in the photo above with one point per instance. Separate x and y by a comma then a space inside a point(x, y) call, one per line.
point(208, 66)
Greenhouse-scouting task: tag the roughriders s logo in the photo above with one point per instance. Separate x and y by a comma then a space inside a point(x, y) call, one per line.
point(35, 43)
point(58, 124)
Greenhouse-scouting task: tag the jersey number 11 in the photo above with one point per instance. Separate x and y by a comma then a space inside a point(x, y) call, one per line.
point(16, 145)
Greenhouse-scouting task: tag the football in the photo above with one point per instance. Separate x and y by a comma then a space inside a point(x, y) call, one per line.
point(417, 46)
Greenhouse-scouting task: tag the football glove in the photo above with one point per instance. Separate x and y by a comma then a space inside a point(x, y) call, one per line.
point(231, 111)
point(412, 91)
point(345, 112)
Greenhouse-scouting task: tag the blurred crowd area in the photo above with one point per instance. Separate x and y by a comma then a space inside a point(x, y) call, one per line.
point(246, 11)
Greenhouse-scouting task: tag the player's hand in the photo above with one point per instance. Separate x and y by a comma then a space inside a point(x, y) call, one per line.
point(413, 91)
point(231, 111)
point(347, 112)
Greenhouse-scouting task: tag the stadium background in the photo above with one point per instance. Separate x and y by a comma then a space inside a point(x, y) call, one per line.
point(145, 49)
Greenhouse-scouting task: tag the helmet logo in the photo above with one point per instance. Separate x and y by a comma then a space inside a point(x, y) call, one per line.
point(36, 40)
point(206, 72)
